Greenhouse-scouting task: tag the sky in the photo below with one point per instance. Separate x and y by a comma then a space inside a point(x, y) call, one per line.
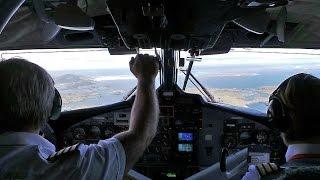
point(81, 59)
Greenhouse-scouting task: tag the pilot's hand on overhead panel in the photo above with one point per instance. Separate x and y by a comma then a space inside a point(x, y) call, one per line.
point(144, 67)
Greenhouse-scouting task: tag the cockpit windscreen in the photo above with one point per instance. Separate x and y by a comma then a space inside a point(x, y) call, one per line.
point(243, 77)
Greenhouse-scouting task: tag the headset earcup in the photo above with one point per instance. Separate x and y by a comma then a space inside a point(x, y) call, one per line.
point(277, 115)
point(56, 107)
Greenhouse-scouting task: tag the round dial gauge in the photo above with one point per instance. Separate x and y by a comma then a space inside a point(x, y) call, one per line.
point(95, 131)
point(262, 137)
point(79, 133)
point(108, 133)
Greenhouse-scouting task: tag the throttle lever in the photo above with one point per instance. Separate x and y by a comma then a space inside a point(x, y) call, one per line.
point(223, 160)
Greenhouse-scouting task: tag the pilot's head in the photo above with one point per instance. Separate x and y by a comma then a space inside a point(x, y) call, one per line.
point(294, 108)
point(26, 96)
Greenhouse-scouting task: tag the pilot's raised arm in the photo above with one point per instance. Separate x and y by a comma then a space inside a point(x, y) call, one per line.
point(29, 99)
point(145, 110)
point(112, 158)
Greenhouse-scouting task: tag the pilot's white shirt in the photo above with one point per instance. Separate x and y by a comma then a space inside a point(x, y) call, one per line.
point(24, 156)
point(293, 149)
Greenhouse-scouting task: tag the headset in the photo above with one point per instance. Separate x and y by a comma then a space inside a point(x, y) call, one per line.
point(278, 113)
point(56, 107)
point(54, 115)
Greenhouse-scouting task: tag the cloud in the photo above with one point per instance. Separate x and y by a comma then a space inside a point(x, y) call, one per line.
point(81, 59)
point(112, 78)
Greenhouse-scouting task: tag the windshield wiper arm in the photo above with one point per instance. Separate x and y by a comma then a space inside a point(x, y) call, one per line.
point(207, 93)
point(199, 89)
point(187, 75)
point(129, 93)
point(211, 97)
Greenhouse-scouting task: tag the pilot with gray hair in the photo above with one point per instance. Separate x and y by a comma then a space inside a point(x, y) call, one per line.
point(29, 99)
point(294, 109)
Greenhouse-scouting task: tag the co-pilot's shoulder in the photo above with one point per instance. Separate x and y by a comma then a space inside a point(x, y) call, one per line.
point(267, 169)
point(65, 152)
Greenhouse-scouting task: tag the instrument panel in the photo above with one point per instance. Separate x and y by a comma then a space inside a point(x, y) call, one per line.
point(264, 145)
point(99, 127)
point(190, 136)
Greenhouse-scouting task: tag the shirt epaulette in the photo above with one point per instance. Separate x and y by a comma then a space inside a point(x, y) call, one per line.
point(265, 169)
point(63, 152)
